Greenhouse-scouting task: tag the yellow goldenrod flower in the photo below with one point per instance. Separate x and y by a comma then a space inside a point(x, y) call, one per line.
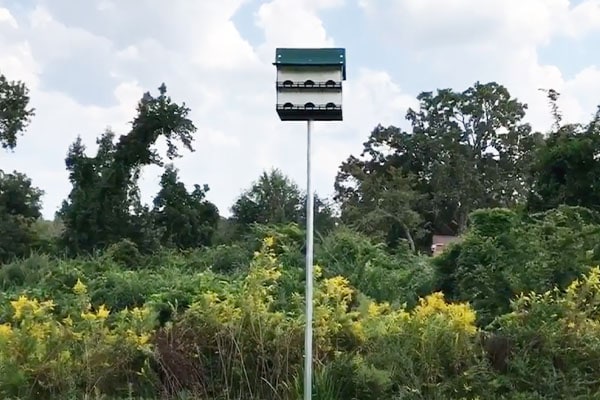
point(5, 331)
point(269, 241)
point(79, 288)
point(102, 312)
point(88, 316)
point(317, 271)
point(20, 305)
point(143, 339)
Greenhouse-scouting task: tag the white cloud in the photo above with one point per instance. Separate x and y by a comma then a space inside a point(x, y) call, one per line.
point(7, 18)
point(462, 41)
point(373, 97)
point(87, 64)
point(16, 58)
point(54, 40)
point(197, 51)
point(583, 90)
point(584, 19)
point(221, 139)
point(293, 23)
point(434, 23)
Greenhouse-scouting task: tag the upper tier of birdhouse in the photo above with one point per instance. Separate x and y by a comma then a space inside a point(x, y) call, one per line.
point(309, 83)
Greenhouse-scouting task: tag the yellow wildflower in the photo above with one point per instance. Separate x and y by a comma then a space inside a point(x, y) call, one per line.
point(22, 304)
point(141, 313)
point(79, 287)
point(459, 315)
point(143, 339)
point(45, 305)
point(463, 317)
point(359, 331)
point(102, 312)
point(432, 304)
point(88, 316)
point(269, 241)
point(377, 309)
point(317, 271)
point(5, 331)
point(39, 331)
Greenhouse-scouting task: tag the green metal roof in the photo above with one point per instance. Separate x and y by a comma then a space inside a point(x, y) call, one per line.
point(311, 56)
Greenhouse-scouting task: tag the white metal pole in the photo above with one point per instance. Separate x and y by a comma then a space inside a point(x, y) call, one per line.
point(308, 334)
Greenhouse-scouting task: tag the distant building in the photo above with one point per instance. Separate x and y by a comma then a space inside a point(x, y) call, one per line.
point(439, 243)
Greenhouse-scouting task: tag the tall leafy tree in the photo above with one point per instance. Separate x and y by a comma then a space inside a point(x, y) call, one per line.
point(103, 206)
point(272, 199)
point(567, 168)
point(384, 206)
point(15, 113)
point(20, 208)
point(275, 199)
point(324, 214)
point(20, 201)
point(187, 220)
point(467, 150)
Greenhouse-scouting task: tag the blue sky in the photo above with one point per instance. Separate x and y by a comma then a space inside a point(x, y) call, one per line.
point(87, 63)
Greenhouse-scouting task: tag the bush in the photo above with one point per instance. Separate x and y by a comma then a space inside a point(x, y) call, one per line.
point(238, 332)
point(89, 350)
point(555, 337)
point(397, 278)
point(125, 253)
point(176, 327)
point(503, 255)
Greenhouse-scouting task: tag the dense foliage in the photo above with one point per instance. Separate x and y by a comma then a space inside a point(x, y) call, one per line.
point(15, 113)
point(119, 299)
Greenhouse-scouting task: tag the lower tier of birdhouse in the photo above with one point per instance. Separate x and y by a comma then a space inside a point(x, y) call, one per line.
point(315, 112)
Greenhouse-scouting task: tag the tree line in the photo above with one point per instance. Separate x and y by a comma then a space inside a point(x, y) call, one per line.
point(464, 151)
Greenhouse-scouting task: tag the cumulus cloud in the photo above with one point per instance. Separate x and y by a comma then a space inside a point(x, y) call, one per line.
point(7, 18)
point(464, 42)
point(196, 49)
point(434, 23)
point(292, 23)
point(88, 62)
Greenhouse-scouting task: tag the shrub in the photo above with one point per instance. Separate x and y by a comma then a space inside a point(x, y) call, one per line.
point(502, 256)
point(556, 338)
point(125, 253)
point(396, 278)
point(42, 356)
point(234, 340)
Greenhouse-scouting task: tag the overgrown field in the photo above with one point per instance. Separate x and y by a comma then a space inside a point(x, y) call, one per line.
point(119, 299)
point(187, 325)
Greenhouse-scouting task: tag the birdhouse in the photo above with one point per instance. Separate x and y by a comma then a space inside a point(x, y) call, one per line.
point(309, 83)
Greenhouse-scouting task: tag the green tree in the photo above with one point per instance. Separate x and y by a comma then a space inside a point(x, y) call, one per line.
point(274, 199)
point(324, 215)
point(104, 206)
point(384, 206)
point(15, 114)
point(467, 150)
point(399, 277)
point(20, 208)
point(567, 167)
point(186, 220)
